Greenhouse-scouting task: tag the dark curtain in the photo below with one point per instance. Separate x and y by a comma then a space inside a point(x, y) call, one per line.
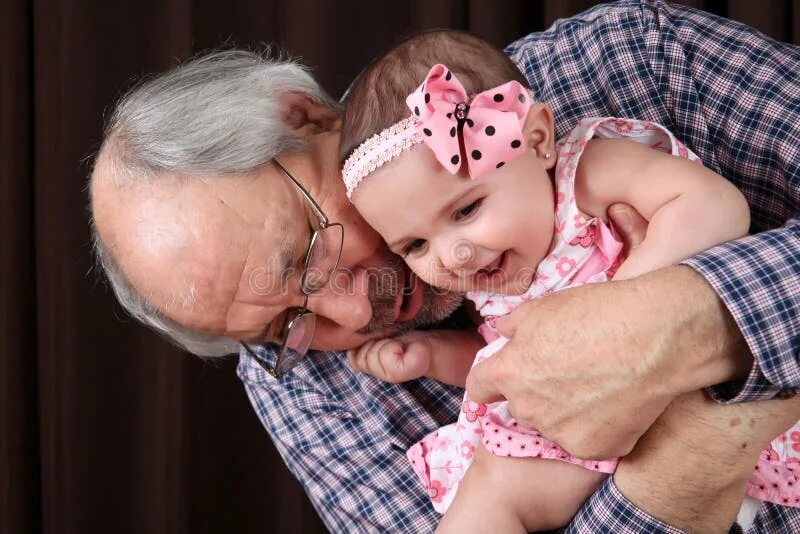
point(104, 427)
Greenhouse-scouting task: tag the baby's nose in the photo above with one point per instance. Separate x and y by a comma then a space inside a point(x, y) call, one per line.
point(458, 255)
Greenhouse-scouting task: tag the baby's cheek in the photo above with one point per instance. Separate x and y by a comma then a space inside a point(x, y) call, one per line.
point(428, 273)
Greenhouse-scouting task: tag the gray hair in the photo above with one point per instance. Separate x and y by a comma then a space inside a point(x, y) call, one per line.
point(220, 113)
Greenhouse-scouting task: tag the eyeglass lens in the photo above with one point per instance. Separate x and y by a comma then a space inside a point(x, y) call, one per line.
point(301, 332)
point(322, 258)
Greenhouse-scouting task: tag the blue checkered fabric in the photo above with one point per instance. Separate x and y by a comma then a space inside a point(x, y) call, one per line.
point(732, 96)
point(609, 512)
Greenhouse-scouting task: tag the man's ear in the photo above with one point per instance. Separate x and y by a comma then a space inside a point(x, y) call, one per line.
point(540, 134)
point(307, 116)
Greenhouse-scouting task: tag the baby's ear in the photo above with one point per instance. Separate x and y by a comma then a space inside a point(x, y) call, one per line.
point(305, 115)
point(540, 133)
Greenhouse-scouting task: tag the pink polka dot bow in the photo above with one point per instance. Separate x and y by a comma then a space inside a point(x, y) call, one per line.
point(490, 124)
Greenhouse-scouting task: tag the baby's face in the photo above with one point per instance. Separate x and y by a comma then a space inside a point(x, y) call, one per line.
point(487, 234)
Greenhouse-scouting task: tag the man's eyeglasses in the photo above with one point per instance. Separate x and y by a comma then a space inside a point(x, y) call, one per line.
point(321, 259)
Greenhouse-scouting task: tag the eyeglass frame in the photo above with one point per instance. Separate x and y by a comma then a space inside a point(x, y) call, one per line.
point(301, 311)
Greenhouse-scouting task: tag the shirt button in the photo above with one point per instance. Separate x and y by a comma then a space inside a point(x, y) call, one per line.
point(787, 393)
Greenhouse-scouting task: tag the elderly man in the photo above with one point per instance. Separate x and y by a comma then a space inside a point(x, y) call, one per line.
point(220, 218)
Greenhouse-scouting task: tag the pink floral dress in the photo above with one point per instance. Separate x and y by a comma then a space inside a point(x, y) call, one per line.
point(584, 250)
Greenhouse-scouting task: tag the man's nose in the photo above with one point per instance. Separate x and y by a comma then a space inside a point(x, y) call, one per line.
point(345, 300)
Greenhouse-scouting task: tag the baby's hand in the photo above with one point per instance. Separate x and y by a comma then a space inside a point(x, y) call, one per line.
point(394, 359)
point(445, 355)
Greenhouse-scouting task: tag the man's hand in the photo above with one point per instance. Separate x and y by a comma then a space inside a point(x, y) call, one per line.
point(593, 367)
point(445, 355)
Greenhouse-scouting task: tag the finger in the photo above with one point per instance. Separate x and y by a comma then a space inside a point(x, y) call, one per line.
point(630, 225)
point(357, 357)
point(368, 356)
point(507, 325)
point(374, 362)
point(482, 381)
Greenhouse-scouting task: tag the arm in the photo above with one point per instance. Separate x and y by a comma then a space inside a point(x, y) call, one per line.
point(444, 355)
point(729, 93)
point(671, 481)
point(689, 207)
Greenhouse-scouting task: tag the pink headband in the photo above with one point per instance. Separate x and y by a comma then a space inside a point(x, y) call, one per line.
point(490, 125)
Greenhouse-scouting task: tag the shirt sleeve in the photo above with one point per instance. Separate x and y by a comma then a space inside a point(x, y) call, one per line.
point(608, 510)
point(758, 279)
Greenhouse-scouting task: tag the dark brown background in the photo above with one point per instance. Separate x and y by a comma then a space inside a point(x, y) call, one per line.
point(103, 426)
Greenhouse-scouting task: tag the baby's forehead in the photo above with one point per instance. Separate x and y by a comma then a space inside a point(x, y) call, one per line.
point(414, 175)
point(408, 193)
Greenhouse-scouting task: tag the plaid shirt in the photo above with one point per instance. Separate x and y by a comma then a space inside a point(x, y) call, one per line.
point(732, 96)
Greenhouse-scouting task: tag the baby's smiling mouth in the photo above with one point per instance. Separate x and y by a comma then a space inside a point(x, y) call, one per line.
point(494, 269)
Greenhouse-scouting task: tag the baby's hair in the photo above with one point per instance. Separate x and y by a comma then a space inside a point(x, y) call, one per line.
point(377, 99)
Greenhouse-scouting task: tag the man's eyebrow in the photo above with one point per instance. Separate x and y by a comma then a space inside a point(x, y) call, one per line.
point(285, 254)
point(286, 250)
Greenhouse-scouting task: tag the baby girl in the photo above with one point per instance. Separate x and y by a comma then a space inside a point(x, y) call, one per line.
point(448, 157)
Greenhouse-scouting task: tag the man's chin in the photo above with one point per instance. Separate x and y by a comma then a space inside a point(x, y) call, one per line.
point(437, 305)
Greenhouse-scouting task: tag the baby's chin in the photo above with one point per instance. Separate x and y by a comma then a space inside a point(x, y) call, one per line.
point(503, 284)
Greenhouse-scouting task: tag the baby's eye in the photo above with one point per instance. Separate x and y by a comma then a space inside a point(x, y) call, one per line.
point(467, 210)
point(413, 246)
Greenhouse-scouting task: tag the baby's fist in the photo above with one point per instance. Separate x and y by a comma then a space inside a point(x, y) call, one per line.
point(397, 359)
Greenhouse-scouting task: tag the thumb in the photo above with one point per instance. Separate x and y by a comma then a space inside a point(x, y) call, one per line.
point(507, 325)
point(482, 381)
point(630, 225)
point(416, 358)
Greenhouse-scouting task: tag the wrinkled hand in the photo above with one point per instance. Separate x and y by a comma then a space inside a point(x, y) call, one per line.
point(575, 384)
point(563, 370)
point(445, 355)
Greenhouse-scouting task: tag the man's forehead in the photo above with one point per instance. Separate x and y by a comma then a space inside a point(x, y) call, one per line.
point(159, 231)
point(213, 236)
